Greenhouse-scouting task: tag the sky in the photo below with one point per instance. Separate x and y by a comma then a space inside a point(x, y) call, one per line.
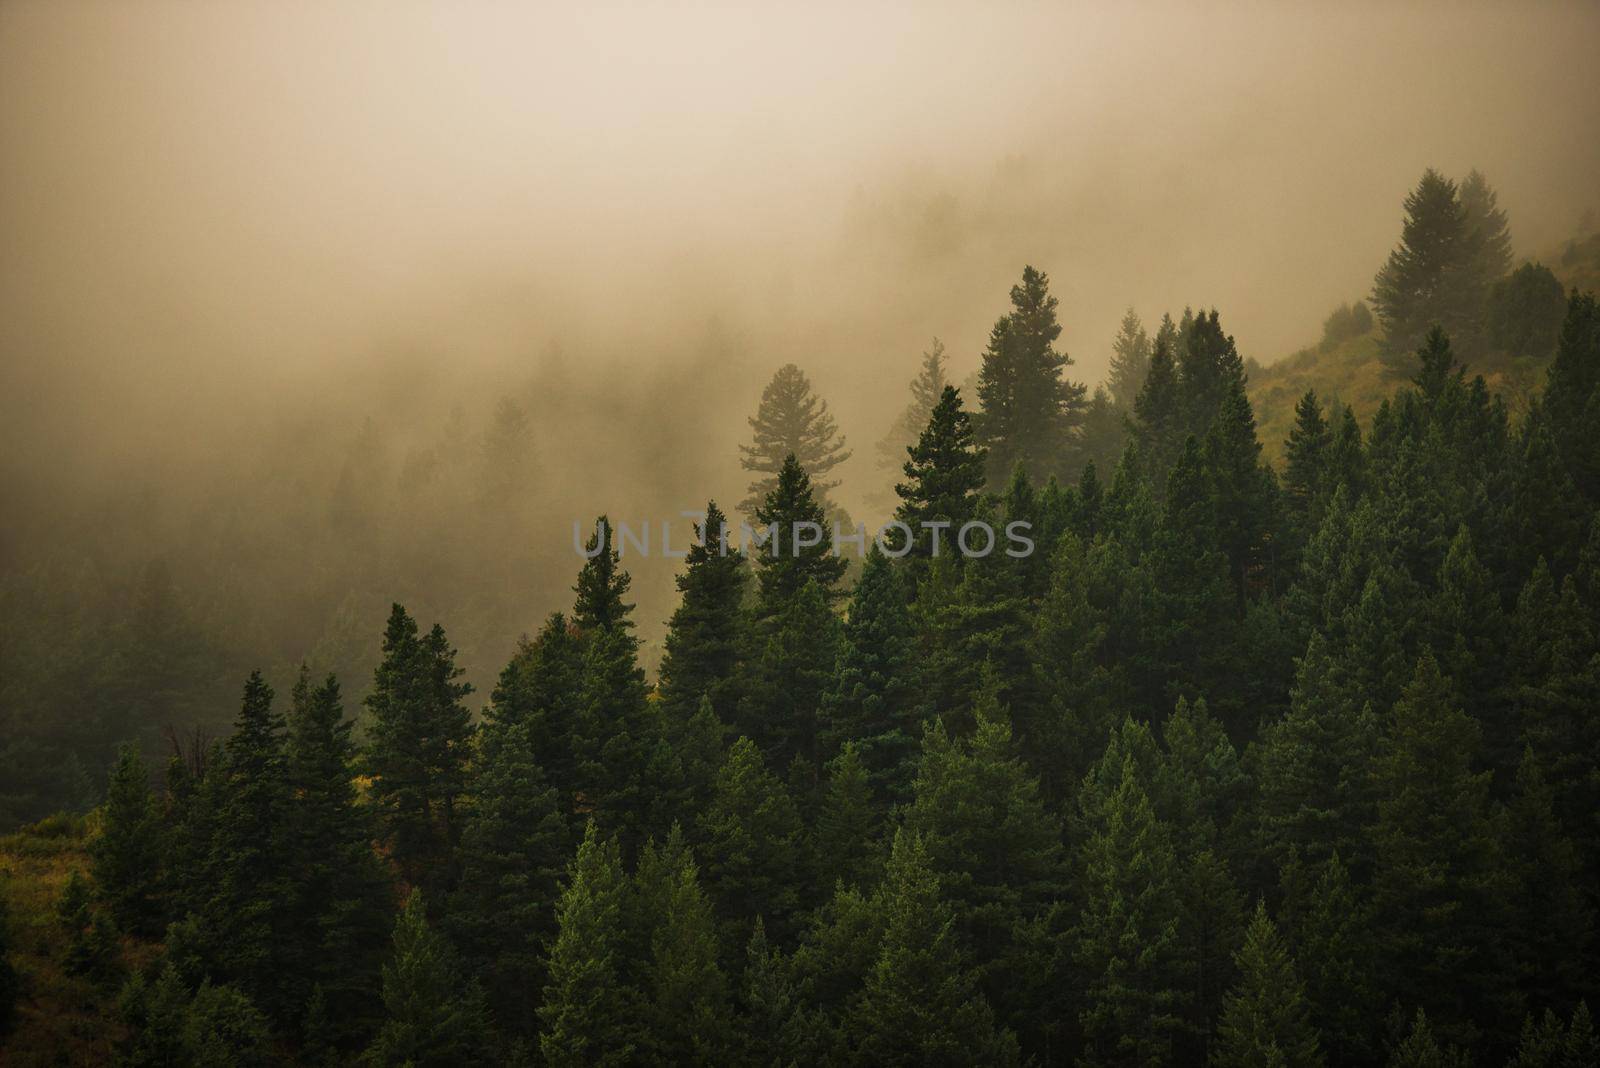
point(212, 213)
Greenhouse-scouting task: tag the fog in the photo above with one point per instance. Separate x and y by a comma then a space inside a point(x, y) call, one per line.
point(230, 234)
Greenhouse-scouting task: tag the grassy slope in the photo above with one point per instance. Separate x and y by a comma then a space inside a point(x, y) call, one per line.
point(1352, 374)
point(62, 1019)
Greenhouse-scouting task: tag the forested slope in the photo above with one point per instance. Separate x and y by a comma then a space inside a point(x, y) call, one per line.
point(1236, 768)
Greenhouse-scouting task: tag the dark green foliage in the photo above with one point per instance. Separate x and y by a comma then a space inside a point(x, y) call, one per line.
point(871, 700)
point(753, 846)
point(703, 646)
point(919, 1005)
point(1550, 1044)
point(588, 1015)
point(847, 824)
point(615, 738)
point(247, 919)
point(1525, 312)
point(791, 421)
point(1160, 424)
point(1572, 397)
point(1209, 369)
point(127, 853)
point(685, 1002)
point(1553, 925)
point(343, 897)
point(171, 1026)
point(1439, 892)
point(602, 584)
point(514, 850)
point(787, 683)
point(433, 1013)
point(1029, 407)
point(1130, 361)
point(1343, 323)
point(1265, 1019)
point(1432, 277)
point(978, 814)
point(771, 1020)
point(799, 547)
point(944, 475)
point(1243, 493)
point(1373, 683)
point(1330, 925)
point(540, 690)
point(419, 742)
point(1420, 1049)
point(1126, 943)
point(1314, 768)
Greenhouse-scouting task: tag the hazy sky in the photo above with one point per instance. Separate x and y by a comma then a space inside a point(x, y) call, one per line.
point(251, 202)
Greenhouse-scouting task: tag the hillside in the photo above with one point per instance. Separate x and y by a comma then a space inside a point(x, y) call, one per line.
point(1352, 373)
point(62, 1019)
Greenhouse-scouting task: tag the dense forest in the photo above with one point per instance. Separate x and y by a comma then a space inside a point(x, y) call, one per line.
point(1246, 763)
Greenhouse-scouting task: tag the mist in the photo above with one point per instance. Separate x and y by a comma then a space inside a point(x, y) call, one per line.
point(239, 240)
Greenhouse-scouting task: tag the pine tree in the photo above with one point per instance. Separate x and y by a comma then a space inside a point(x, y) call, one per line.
point(1335, 948)
point(343, 894)
point(787, 682)
point(540, 690)
point(1159, 421)
point(1130, 361)
point(944, 476)
point(1525, 312)
point(686, 1006)
point(1314, 767)
point(1469, 635)
point(1126, 944)
point(1425, 281)
point(250, 909)
point(870, 703)
point(514, 848)
point(588, 1014)
point(434, 1014)
point(772, 1022)
point(1438, 890)
point(1307, 475)
point(1421, 1050)
point(791, 421)
point(1209, 371)
point(1572, 395)
point(798, 548)
point(847, 823)
point(602, 584)
point(979, 816)
point(127, 852)
point(1346, 458)
point(1265, 1018)
point(1077, 683)
point(1552, 927)
point(1243, 494)
point(1488, 233)
point(418, 746)
point(1030, 409)
point(920, 1006)
point(703, 636)
point(615, 738)
point(926, 389)
point(1550, 1045)
point(754, 841)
